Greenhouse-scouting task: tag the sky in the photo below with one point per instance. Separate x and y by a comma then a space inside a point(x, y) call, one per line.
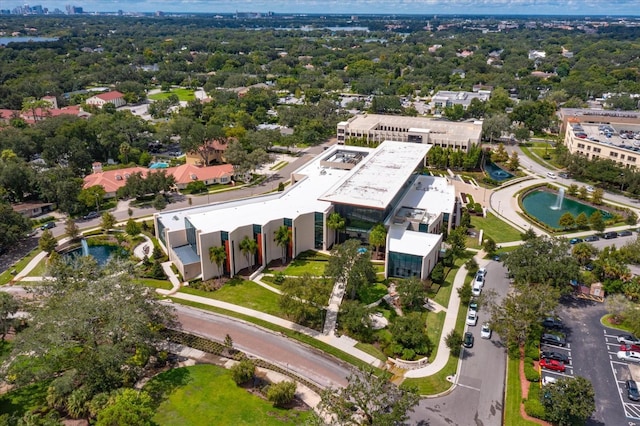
point(493, 7)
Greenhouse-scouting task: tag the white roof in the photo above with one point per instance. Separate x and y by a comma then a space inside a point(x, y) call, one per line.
point(301, 198)
point(379, 177)
point(420, 244)
point(431, 193)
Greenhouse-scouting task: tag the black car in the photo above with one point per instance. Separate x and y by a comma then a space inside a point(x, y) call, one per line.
point(611, 234)
point(48, 225)
point(624, 233)
point(551, 322)
point(91, 215)
point(591, 238)
point(467, 342)
point(558, 356)
point(632, 390)
point(552, 339)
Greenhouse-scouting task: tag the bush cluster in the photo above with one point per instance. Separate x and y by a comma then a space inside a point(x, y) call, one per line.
point(530, 372)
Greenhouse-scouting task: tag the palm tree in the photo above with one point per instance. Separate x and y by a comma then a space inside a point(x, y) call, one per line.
point(378, 236)
point(217, 255)
point(249, 246)
point(283, 238)
point(337, 223)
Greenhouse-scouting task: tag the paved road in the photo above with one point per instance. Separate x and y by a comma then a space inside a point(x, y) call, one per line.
point(273, 347)
point(478, 397)
point(590, 358)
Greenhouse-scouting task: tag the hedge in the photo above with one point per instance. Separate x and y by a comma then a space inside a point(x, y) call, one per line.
point(533, 406)
point(530, 372)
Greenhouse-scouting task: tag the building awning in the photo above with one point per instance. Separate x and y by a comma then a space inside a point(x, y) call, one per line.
point(186, 255)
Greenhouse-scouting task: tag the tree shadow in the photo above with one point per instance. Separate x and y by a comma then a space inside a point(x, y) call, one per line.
point(161, 386)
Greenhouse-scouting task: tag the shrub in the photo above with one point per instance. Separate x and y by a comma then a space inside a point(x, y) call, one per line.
point(530, 372)
point(278, 278)
point(243, 371)
point(454, 342)
point(533, 406)
point(531, 351)
point(196, 187)
point(280, 394)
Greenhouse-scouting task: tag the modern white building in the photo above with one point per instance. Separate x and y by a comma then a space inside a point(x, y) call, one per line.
point(447, 99)
point(375, 128)
point(366, 186)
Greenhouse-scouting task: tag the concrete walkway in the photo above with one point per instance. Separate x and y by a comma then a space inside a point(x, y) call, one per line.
point(442, 356)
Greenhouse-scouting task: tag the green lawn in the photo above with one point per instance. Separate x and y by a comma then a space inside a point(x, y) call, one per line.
point(372, 293)
point(243, 293)
point(39, 270)
point(150, 282)
point(514, 396)
point(184, 95)
point(6, 276)
point(434, 330)
point(443, 294)
point(372, 350)
point(498, 230)
point(206, 395)
point(300, 267)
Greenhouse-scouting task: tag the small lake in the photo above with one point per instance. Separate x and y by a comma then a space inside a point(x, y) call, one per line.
point(6, 40)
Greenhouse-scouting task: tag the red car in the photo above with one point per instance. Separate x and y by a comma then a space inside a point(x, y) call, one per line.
point(635, 348)
point(552, 364)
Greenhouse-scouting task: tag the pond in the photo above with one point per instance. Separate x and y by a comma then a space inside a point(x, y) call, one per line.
point(544, 206)
point(495, 172)
point(101, 253)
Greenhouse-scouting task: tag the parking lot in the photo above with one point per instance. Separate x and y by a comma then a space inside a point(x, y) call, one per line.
point(546, 374)
point(621, 373)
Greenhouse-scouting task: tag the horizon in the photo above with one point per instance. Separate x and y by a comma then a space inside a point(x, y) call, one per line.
point(577, 8)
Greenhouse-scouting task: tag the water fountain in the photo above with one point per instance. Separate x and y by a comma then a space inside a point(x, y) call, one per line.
point(559, 199)
point(85, 247)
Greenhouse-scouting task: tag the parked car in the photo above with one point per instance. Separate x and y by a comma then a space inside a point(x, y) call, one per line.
point(91, 215)
point(591, 238)
point(563, 175)
point(629, 356)
point(628, 339)
point(467, 341)
point(552, 339)
point(632, 390)
point(547, 380)
point(590, 189)
point(624, 233)
point(482, 272)
point(472, 318)
point(558, 356)
point(473, 306)
point(48, 225)
point(479, 280)
point(552, 364)
point(485, 332)
point(610, 235)
point(635, 348)
point(589, 267)
point(575, 241)
point(551, 175)
point(476, 290)
point(552, 322)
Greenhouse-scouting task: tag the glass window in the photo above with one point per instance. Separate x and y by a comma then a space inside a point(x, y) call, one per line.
point(403, 265)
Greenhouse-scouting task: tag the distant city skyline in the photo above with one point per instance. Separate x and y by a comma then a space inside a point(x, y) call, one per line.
point(355, 7)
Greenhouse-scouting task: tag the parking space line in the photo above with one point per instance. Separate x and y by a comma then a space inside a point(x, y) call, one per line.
point(557, 373)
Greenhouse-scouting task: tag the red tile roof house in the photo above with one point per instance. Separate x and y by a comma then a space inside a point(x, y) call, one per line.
point(113, 97)
point(113, 180)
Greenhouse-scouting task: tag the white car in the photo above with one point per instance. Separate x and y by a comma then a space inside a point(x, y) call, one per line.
point(478, 281)
point(623, 355)
point(547, 380)
point(476, 290)
point(590, 189)
point(485, 332)
point(472, 318)
point(482, 272)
